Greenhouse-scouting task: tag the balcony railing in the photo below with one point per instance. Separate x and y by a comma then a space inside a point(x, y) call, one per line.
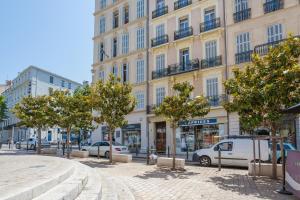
point(159, 40)
point(243, 57)
point(159, 12)
point(210, 25)
point(211, 62)
point(242, 15)
point(183, 33)
point(181, 3)
point(177, 69)
point(272, 6)
point(216, 100)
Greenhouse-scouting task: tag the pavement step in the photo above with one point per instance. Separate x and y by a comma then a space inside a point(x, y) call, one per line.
point(93, 188)
point(70, 188)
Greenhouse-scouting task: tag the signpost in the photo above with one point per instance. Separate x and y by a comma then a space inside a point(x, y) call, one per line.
point(292, 172)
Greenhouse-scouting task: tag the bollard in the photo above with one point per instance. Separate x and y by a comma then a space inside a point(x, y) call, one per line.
point(27, 146)
point(63, 148)
point(219, 159)
point(35, 146)
point(136, 151)
point(168, 151)
point(187, 152)
point(9, 145)
point(283, 189)
point(98, 153)
point(58, 145)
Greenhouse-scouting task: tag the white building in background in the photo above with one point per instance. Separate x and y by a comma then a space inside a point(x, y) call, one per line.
point(32, 81)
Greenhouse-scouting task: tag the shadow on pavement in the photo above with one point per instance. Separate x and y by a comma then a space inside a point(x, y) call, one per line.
point(166, 173)
point(261, 187)
point(98, 164)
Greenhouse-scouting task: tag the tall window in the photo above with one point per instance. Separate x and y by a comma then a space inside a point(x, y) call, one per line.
point(243, 42)
point(275, 33)
point(102, 4)
point(209, 15)
point(241, 5)
point(115, 47)
point(140, 38)
point(212, 87)
point(101, 52)
point(116, 19)
point(101, 75)
point(140, 71)
point(102, 25)
point(211, 49)
point(160, 4)
point(184, 23)
point(51, 79)
point(160, 95)
point(184, 56)
point(140, 97)
point(115, 70)
point(160, 62)
point(140, 8)
point(126, 14)
point(125, 43)
point(69, 86)
point(62, 83)
point(125, 74)
point(160, 30)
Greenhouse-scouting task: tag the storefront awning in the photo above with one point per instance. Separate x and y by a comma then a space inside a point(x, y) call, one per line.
point(294, 109)
point(195, 122)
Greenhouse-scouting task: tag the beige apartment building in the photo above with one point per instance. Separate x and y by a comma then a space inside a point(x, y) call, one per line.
point(184, 40)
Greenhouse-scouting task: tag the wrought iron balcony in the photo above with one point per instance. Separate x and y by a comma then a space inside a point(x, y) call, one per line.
point(211, 62)
point(182, 33)
point(159, 12)
point(210, 25)
point(216, 100)
point(243, 57)
point(177, 69)
point(242, 15)
point(159, 40)
point(181, 3)
point(273, 5)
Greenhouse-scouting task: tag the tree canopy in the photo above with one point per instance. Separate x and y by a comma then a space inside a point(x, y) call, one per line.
point(3, 108)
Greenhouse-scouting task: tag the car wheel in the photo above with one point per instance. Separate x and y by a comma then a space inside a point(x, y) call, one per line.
point(205, 161)
point(106, 154)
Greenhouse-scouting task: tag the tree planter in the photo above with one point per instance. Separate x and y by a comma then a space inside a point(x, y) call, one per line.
point(80, 154)
point(168, 162)
point(52, 151)
point(125, 158)
point(266, 170)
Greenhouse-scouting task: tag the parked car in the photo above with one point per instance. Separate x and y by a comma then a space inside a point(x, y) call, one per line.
point(286, 146)
point(234, 152)
point(104, 148)
point(31, 143)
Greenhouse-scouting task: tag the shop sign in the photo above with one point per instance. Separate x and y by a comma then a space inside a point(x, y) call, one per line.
point(292, 172)
point(195, 122)
point(131, 127)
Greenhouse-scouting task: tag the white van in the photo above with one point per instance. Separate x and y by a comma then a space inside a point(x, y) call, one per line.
point(234, 152)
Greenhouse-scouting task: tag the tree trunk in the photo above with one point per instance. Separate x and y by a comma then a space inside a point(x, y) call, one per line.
point(110, 146)
point(174, 146)
point(39, 141)
point(68, 143)
point(274, 152)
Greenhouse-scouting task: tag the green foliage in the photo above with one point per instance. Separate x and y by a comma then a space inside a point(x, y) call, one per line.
point(180, 106)
point(267, 86)
point(113, 100)
point(3, 108)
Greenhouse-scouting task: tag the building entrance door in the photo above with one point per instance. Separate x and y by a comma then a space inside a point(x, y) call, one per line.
point(161, 137)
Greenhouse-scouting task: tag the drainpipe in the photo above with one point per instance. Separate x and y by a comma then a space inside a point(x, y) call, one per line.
point(147, 80)
point(225, 59)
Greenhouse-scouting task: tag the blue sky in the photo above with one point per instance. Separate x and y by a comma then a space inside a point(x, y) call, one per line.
point(55, 35)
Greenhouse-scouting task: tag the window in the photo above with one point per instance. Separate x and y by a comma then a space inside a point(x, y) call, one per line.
point(243, 42)
point(209, 15)
point(183, 23)
point(140, 97)
point(160, 95)
point(140, 38)
point(140, 66)
point(51, 79)
point(125, 43)
point(115, 70)
point(160, 30)
point(115, 47)
point(70, 86)
point(160, 62)
point(225, 146)
point(140, 8)
point(102, 25)
point(101, 52)
point(102, 4)
point(275, 33)
point(241, 5)
point(211, 49)
point(62, 83)
point(125, 74)
point(160, 4)
point(116, 19)
point(126, 14)
point(101, 75)
point(212, 87)
point(184, 55)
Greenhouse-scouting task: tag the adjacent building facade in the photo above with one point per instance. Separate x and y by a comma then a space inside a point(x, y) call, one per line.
point(32, 81)
point(184, 40)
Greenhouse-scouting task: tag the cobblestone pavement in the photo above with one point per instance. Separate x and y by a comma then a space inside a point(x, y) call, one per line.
point(152, 183)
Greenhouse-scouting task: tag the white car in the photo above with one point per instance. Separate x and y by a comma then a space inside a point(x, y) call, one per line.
point(104, 149)
point(234, 152)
